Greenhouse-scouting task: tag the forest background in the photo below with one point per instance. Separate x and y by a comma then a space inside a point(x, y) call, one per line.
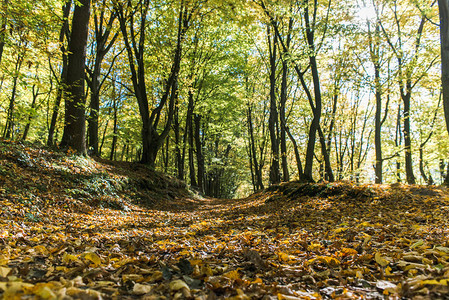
point(231, 96)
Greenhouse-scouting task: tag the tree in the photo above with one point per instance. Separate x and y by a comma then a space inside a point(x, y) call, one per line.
point(444, 38)
point(75, 121)
point(102, 44)
point(133, 24)
point(63, 39)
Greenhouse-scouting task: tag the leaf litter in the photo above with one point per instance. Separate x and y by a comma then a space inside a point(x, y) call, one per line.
point(76, 228)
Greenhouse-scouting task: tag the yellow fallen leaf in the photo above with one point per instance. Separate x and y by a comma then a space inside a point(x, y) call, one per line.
point(234, 275)
point(67, 258)
point(380, 260)
point(257, 280)
point(45, 293)
point(93, 257)
point(177, 285)
point(41, 249)
point(329, 260)
point(417, 244)
point(12, 288)
point(141, 289)
point(132, 277)
point(349, 251)
point(341, 229)
point(4, 271)
point(435, 282)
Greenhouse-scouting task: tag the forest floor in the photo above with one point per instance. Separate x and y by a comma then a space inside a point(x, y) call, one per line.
point(72, 227)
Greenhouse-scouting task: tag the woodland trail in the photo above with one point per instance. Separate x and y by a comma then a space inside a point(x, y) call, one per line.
point(73, 228)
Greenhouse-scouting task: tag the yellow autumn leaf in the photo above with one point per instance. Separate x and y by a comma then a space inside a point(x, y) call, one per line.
point(435, 282)
point(4, 271)
point(234, 275)
point(341, 229)
point(93, 257)
point(177, 285)
point(349, 251)
point(380, 260)
point(67, 258)
point(41, 249)
point(141, 289)
point(417, 244)
point(285, 257)
point(257, 280)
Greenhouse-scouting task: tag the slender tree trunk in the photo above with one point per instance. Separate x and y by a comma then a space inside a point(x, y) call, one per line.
point(114, 130)
point(75, 122)
point(103, 137)
point(63, 34)
point(257, 170)
point(407, 141)
point(35, 92)
point(9, 128)
point(444, 38)
point(282, 108)
point(178, 154)
point(102, 33)
point(328, 173)
point(378, 126)
point(3, 28)
point(297, 155)
point(199, 153)
point(283, 138)
point(398, 142)
point(442, 170)
point(193, 181)
point(273, 120)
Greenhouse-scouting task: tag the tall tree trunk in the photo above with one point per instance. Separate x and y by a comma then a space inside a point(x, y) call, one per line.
point(199, 153)
point(192, 173)
point(35, 93)
point(103, 137)
point(257, 171)
point(378, 125)
point(152, 140)
point(282, 108)
point(115, 128)
point(9, 128)
point(398, 142)
point(273, 120)
point(297, 155)
point(3, 27)
point(444, 38)
point(328, 173)
point(75, 122)
point(179, 159)
point(63, 35)
point(283, 137)
point(407, 141)
point(102, 33)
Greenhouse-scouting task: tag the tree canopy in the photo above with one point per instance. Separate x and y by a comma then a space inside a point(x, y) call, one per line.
point(233, 96)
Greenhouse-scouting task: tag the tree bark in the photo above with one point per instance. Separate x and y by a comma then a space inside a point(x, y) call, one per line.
point(35, 93)
point(152, 140)
point(444, 38)
point(63, 34)
point(257, 171)
point(3, 28)
point(9, 128)
point(102, 33)
point(75, 122)
point(199, 153)
point(273, 120)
